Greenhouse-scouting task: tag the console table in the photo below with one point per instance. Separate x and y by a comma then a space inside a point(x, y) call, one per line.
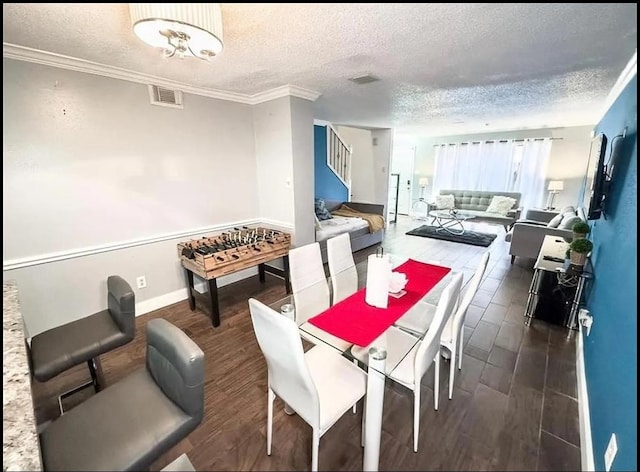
point(552, 261)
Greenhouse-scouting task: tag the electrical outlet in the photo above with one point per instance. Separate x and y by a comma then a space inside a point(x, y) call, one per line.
point(141, 281)
point(610, 453)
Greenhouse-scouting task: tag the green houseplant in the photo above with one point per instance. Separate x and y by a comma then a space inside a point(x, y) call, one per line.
point(580, 230)
point(578, 251)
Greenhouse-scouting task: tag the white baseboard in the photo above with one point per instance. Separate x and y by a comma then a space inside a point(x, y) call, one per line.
point(586, 441)
point(156, 303)
point(161, 301)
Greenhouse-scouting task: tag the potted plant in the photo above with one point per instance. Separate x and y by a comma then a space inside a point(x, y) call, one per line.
point(578, 251)
point(580, 230)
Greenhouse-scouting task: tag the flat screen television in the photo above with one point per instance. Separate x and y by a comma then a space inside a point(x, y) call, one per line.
point(596, 179)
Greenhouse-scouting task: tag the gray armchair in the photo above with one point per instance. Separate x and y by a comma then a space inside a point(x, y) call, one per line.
point(128, 425)
point(526, 236)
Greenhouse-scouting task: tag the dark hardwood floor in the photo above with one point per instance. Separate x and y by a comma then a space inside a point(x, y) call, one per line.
point(514, 405)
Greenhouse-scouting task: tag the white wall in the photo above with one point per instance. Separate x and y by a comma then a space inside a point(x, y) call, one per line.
point(567, 162)
point(363, 183)
point(303, 170)
point(88, 163)
point(382, 163)
point(272, 125)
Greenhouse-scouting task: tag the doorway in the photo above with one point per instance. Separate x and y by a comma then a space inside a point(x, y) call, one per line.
point(402, 162)
point(392, 204)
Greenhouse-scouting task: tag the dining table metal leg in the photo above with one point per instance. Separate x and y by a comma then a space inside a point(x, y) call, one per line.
point(373, 409)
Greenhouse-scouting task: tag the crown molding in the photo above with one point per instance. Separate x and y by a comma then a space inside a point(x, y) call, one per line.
point(629, 72)
point(37, 56)
point(285, 91)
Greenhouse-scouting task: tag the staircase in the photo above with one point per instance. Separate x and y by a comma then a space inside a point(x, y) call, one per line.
point(338, 156)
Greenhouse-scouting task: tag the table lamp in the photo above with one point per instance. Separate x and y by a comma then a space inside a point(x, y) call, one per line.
point(423, 182)
point(555, 186)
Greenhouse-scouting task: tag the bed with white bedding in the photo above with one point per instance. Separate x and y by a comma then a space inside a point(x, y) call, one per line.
point(358, 228)
point(338, 225)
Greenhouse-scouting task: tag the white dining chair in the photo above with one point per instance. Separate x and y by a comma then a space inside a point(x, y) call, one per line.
point(408, 370)
point(308, 282)
point(412, 368)
point(311, 294)
point(342, 268)
point(320, 385)
point(453, 332)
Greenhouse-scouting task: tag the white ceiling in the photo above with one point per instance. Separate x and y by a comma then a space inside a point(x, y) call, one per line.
point(444, 68)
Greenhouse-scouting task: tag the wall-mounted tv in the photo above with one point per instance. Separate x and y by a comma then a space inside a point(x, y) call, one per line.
point(596, 180)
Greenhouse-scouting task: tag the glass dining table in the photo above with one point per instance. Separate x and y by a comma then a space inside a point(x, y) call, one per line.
point(379, 357)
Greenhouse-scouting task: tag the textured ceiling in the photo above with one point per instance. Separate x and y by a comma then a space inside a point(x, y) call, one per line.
point(444, 68)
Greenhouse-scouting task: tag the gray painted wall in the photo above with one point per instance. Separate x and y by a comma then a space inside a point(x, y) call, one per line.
point(87, 161)
point(362, 165)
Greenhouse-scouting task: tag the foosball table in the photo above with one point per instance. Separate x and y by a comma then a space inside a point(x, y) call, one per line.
point(241, 248)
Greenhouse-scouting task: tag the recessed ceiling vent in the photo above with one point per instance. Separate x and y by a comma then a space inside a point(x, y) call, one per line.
point(364, 79)
point(165, 97)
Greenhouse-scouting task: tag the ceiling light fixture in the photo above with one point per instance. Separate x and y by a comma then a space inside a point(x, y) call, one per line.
point(183, 29)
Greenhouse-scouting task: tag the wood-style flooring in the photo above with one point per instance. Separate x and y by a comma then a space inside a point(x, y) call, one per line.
point(514, 405)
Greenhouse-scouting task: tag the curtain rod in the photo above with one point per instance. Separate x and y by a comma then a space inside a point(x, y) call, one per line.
point(491, 141)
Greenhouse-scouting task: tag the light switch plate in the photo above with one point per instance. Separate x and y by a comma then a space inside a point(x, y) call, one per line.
point(610, 453)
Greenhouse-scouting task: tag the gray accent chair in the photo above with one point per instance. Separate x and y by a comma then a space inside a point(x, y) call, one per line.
point(476, 202)
point(57, 350)
point(526, 236)
point(128, 425)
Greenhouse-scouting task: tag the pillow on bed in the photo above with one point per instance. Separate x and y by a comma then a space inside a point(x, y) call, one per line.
point(321, 210)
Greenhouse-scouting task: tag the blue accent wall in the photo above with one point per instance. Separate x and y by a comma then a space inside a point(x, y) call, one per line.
point(611, 348)
point(327, 184)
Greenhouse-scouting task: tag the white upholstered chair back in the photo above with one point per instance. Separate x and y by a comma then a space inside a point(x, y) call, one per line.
point(342, 268)
point(308, 282)
point(289, 376)
point(430, 345)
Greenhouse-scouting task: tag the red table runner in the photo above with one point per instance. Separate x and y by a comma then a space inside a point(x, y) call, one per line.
point(353, 320)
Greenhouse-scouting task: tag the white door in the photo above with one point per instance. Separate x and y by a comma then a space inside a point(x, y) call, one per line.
point(402, 160)
point(392, 203)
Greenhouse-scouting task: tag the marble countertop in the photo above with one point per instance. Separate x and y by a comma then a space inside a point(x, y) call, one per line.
point(20, 445)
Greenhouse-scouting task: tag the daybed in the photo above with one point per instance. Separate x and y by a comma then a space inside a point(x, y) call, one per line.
point(355, 224)
point(476, 202)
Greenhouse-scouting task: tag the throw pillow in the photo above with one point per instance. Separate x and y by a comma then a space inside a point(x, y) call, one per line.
point(318, 226)
point(445, 202)
point(555, 221)
point(568, 221)
point(321, 210)
point(501, 205)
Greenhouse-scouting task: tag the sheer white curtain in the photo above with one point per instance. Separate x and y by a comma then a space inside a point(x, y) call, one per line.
point(531, 172)
point(504, 166)
point(474, 166)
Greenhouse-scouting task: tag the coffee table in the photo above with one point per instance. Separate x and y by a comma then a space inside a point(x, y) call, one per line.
point(450, 221)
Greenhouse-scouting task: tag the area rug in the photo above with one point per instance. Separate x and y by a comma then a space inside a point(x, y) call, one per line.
point(468, 237)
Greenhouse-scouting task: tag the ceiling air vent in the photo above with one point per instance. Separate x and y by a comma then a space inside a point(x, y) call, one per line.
point(364, 79)
point(165, 97)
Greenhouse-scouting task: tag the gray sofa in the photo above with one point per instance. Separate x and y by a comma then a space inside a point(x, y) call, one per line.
point(526, 236)
point(476, 202)
point(130, 424)
point(362, 238)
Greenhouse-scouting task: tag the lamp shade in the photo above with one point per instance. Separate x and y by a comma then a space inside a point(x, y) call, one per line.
point(555, 185)
point(423, 181)
point(191, 29)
